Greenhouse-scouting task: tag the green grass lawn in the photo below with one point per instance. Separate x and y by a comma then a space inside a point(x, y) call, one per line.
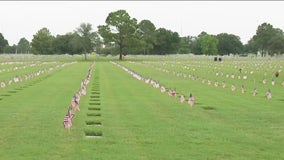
point(138, 121)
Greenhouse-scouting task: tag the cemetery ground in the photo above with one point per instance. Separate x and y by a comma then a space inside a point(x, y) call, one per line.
point(122, 117)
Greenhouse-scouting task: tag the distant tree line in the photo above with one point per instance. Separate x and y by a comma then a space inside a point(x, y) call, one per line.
point(122, 35)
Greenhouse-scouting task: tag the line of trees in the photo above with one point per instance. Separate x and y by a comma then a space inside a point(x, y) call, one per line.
point(121, 34)
point(22, 47)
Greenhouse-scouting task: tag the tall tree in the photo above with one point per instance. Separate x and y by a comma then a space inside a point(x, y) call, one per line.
point(184, 45)
point(87, 37)
point(209, 44)
point(62, 44)
point(10, 49)
point(267, 40)
point(3, 43)
point(263, 35)
point(42, 42)
point(229, 43)
point(98, 43)
point(23, 46)
point(194, 45)
point(251, 46)
point(167, 41)
point(147, 31)
point(120, 28)
point(276, 43)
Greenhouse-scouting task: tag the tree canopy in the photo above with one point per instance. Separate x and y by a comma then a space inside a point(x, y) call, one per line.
point(147, 31)
point(42, 42)
point(229, 43)
point(23, 46)
point(167, 41)
point(3, 43)
point(121, 34)
point(86, 38)
point(209, 44)
point(120, 28)
point(267, 40)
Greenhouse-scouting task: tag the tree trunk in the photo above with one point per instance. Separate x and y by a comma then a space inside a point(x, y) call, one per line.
point(120, 52)
point(85, 53)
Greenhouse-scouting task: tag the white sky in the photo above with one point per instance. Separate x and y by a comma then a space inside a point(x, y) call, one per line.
point(24, 18)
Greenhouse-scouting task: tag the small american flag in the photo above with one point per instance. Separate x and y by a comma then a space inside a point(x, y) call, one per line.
point(191, 100)
point(3, 84)
point(70, 112)
point(75, 105)
point(67, 122)
point(268, 94)
point(182, 98)
point(254, 93)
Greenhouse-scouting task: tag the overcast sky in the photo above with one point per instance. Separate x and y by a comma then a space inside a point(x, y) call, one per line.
point(24, 19)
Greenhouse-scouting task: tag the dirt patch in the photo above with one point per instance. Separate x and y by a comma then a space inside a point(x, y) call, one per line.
point(208, 108)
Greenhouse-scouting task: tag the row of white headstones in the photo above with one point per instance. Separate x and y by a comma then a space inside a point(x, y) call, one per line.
point(214, 70)
point(26, 77)
point(155, 84)
point(268, 94)
point(74, 105)
point(6, 66)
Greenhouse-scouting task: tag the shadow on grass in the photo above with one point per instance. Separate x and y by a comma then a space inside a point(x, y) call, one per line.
point(208, 108)
point(205, 107)
point(12, 91)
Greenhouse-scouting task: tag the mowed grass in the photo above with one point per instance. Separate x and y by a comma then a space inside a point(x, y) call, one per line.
point(31, 119)
point(137, 121)
point(240, 125)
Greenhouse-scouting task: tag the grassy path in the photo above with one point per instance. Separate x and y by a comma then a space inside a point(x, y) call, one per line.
point(138, 122)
